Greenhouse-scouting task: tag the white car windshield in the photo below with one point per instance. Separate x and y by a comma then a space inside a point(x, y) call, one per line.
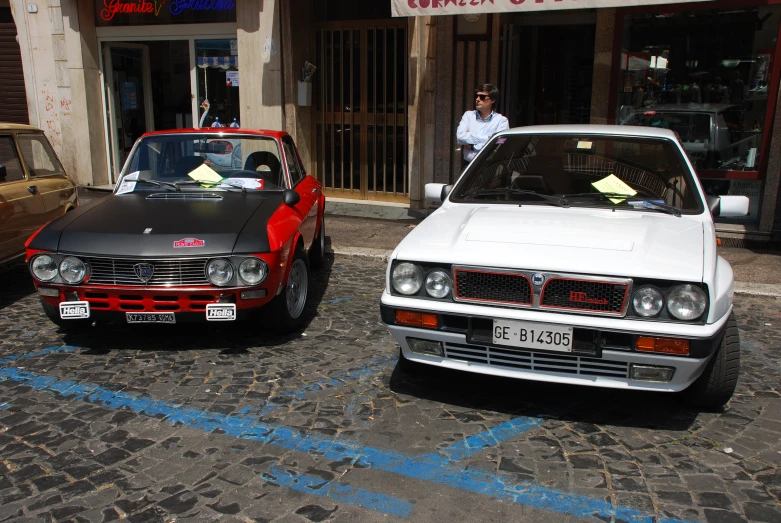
point(207, 160)
point(633, 173)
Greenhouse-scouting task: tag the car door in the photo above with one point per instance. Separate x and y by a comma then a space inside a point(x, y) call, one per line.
point(21, 209)
point(307, 187)
point(46, 175)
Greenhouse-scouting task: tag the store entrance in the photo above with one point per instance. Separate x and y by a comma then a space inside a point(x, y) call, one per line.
point(549, 79)
point(147, 88)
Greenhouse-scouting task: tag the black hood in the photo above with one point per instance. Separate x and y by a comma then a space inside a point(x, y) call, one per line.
point(115, 226)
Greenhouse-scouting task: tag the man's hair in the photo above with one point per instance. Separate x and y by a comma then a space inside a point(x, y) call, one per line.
point(492, 91)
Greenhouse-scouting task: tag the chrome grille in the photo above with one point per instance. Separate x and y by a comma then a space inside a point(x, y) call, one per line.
point(597, 296)
point(501, 287)
point(537, 361)
point(167, 273)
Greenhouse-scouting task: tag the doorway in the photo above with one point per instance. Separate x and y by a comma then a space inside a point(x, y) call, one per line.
point(547, 73)
point(360, 109)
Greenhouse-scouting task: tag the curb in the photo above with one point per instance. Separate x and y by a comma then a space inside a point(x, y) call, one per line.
point(741, 287)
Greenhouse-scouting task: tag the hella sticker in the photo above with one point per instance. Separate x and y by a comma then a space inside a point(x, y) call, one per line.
point(189, 242)
point(220, 312)
point(71, 310)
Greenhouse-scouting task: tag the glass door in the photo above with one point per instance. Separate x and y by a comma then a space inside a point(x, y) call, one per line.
point(129, 98)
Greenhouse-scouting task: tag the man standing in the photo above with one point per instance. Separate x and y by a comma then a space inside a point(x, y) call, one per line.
point(478, 126)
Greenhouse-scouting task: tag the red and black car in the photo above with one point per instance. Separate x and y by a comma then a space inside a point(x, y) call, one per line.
point(203, 225)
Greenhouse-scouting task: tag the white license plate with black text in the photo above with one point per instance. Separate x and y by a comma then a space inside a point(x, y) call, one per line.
point(531, 335)
point(73, 310)
point(220, 312)
point(150, 317)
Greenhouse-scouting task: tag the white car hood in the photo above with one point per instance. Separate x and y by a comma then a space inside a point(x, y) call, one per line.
point(573, 240)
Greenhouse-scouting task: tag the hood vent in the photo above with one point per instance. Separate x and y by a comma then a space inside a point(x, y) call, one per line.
point(184, 196)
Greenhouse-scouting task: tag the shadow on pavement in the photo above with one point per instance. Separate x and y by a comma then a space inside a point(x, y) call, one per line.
point(571, 403)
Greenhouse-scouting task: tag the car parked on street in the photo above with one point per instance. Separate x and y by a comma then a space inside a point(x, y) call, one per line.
point(34, 188)
point(572, 254)
point(183, 238)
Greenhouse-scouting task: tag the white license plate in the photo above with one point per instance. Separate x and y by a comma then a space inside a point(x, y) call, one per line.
point(72, 310)
point(531, 335)
point(150, 317)
point(220, 312)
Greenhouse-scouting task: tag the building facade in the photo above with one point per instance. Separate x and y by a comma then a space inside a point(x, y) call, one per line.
point(373, 99)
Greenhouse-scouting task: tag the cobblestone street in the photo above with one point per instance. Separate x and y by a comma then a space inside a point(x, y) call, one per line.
point(229, 423)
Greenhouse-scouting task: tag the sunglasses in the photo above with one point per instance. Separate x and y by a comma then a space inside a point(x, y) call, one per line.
point(482, 96)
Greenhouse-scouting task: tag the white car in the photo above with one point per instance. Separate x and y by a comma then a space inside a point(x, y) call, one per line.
point(572, 254)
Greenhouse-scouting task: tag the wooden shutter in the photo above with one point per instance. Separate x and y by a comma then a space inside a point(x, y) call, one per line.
point(13, 107)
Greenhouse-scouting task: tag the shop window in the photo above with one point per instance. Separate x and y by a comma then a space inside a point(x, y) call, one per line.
point(705, 74)
point(218, 83)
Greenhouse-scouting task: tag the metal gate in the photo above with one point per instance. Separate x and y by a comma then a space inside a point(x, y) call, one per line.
point(360, 102)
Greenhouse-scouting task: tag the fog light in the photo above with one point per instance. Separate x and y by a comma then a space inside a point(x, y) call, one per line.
point(253, 295)
point(432, 348)
point(48, 291)
point(663, 345)
point(651, 373)
point(417, 319)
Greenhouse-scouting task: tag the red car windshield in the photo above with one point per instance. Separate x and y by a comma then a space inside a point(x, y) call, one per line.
point(244, 161)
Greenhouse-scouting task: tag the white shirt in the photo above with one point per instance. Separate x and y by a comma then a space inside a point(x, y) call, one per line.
point(474, 130)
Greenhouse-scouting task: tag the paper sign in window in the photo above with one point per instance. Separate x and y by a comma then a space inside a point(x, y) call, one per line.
point(205, 174)
point(128, 183)
point(613, 184)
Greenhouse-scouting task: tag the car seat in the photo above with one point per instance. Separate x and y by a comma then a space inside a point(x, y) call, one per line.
point(270, 160)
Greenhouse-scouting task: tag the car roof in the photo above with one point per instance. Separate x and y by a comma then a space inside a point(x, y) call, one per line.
point(584, 129)
point(17, 127)
point(221, 131)
point(686, 108)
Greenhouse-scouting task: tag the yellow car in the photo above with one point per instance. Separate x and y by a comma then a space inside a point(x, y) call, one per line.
point(34, 188)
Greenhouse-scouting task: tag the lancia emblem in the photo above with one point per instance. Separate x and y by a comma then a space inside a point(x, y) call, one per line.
point(148, 230)
point(144, 271)
point(538, 279)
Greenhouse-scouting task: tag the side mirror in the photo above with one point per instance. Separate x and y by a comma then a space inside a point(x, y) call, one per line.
point(3, 172)
point(290, 197)
point(437, 191)
point(731, 206)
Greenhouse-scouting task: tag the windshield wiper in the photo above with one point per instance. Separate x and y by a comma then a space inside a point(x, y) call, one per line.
point(155, 183)
point(669, 209)
point(561, 202)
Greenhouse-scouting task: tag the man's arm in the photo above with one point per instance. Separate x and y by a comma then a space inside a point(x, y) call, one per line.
point(502, 125)
point(462, 134)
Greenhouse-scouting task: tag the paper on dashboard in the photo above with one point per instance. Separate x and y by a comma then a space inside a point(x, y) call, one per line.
point(205, 174)
point(128, 183)
point(613, 184)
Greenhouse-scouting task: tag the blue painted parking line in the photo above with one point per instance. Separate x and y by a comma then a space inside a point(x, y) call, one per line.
point(429, 468)
point(490, 438)
point(354, 496)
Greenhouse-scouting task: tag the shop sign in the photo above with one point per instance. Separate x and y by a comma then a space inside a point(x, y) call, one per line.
point(165, 10)
point(463, 7)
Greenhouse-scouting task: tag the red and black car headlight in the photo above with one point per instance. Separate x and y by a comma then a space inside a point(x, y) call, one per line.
point(43, 267)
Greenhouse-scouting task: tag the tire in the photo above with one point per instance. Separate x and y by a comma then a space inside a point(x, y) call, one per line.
point(715, 386)
point(289, 307)
point(317, 251)
point(53, 313)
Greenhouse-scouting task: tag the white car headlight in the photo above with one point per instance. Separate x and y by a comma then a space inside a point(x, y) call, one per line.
point(219, 272)
point(44, 268)
point(253, 271)
point(648, 302)
point(686, 302)
point(73, 270)
point(407, 278)
point(438, 284)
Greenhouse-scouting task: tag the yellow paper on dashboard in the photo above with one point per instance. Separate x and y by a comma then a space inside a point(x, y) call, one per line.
point(613, 184)
point(205, 174)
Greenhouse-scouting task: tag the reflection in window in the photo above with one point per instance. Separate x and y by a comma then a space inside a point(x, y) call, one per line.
point(218, 83)
point(9, 160)
point(39, 156)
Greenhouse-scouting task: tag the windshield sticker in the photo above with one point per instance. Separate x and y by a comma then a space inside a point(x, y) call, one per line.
point(128, 183)
point(585, 145)
point(249, 183)
point(205, 174)
point(613, 184)
point(501, 140)
point(189, 242)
